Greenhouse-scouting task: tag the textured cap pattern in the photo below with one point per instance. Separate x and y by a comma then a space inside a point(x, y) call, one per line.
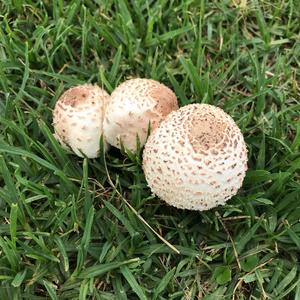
point(78, 117)
point(196, 158)
point(134, 105)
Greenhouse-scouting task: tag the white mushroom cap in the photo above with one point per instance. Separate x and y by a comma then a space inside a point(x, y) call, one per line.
point(196, 159)
point(134, 105)
point(78, 119)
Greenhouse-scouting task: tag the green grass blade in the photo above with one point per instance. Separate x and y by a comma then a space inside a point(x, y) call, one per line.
point(50, 289)
point(121, 218)
point(63, 253)
point(115, 65)
point(10, 254)
point(13, 223)
point(83, 290)
point(86, 238)
point(101, 269)
point(19, 278)
point(286, 280)
point(133, 283)
point(12, 195)
point(164, 283)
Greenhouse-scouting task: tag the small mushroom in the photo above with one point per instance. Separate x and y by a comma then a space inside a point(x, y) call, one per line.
point(78, 119)
point(134, 105)
point(196, 159)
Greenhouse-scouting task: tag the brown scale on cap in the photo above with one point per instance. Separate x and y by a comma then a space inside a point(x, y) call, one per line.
point(136, 104)
point(77, 95)
point(166, 99)
point(198, 167)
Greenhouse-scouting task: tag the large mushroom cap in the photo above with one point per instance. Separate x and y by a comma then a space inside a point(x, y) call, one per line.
point(196, 159)
point(78, 118)
point(134, 105)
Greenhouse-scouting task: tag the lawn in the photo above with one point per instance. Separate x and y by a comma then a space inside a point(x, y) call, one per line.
point(73, 228)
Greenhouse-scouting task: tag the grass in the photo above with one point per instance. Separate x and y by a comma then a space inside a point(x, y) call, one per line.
point(67, 231)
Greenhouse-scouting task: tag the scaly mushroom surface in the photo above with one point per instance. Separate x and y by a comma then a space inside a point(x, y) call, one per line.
point(78, 119)
point(196, 158)
point(134, 105)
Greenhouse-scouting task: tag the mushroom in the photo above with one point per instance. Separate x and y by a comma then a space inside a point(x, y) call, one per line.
point(78, 119)
point(196, 159)
point(134, 105)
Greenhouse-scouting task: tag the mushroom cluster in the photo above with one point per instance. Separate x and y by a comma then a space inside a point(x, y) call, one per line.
point(195, 157)
point(85, 112)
